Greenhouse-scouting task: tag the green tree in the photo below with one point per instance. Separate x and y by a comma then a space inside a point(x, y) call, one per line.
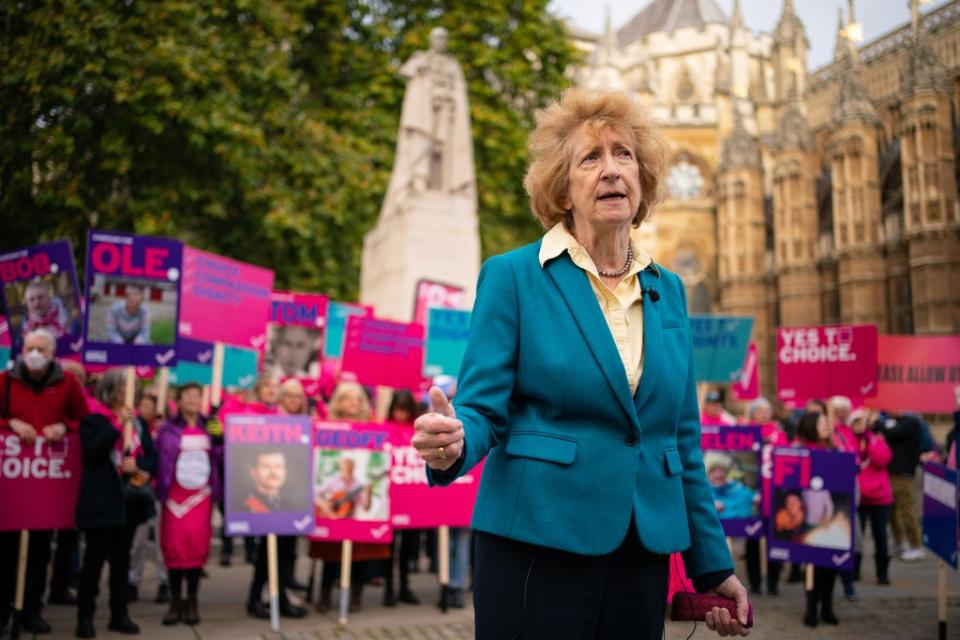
point(260, 130)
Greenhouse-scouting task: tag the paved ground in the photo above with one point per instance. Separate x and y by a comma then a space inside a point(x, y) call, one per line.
point(905, 610)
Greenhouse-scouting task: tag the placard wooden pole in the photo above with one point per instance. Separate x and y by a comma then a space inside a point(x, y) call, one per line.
point(809, 578)
point(730, 545)
point(21, 583)
point(163, 384)
point(443, 565)
point(129, 399)
point(273, 582)
point(942, 600)
point(216, 385)
point(346, 559)
point(764, 567)
point(205, 401)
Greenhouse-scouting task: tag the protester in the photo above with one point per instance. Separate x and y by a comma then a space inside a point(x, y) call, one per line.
point(902, 432)
point(269, 398)
point(146, 539)
point(37, 399)
point(65, 571)
point(188, 484)
point(713, 411)
point(348, 402)
point(876, 494)
point(406, 543)
point(838, 416)
point(114, 499)
point(813, 432)
point(128, 320)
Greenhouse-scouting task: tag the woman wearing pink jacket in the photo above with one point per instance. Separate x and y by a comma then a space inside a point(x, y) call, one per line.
point(876, 494)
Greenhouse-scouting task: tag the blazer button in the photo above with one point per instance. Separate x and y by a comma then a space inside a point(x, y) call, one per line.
point(631, 440)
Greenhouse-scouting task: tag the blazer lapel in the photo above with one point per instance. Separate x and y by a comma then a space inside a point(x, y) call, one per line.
point(575, 288)
point(652, 341)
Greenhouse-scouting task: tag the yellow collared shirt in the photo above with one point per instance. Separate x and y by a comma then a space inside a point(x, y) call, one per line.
point(622, 306)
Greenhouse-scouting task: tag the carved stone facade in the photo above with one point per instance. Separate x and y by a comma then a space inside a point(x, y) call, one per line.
point(800, 197)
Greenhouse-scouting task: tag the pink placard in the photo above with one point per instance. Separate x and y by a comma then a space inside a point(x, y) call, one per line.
point(224, 300)
point(38, 482)
point(351, 492)
point(918, 373)
point(380, 352)
point(414, 504)
point(295, 333)
point(436, 294)
point(818, 362)
point(747, 386)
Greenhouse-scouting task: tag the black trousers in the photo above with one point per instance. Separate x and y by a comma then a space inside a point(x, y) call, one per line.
point(38, 556)
point(405, 549)
point(530, 592)
point(754, 568)
point(66, 560)
point(110, 544)
point(286, 554)
point(879, 517)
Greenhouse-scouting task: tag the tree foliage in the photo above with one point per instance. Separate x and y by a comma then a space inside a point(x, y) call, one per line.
point(260, 130)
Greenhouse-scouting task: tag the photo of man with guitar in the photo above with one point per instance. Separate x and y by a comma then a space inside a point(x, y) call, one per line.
point(349, 490)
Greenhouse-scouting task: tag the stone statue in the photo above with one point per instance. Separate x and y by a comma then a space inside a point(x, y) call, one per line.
point(427, 229)
point(434, 144)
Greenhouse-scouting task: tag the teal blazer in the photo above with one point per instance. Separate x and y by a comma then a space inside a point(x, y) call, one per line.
point(571, 454)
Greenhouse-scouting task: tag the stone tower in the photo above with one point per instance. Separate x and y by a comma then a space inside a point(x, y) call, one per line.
point(857, 214)
point(744, 281)
point(795, 223)
point(789, 55)
point(931, 217)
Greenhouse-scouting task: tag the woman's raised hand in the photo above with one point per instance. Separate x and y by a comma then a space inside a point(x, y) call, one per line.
point(439, 435)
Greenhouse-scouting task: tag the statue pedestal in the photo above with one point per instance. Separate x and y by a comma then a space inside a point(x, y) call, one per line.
point(430, 236)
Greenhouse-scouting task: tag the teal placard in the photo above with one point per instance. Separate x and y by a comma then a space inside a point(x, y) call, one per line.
point(337, 314)
point(4, 357)
point(239, 367)
point(447, 334)
point(186, 372)
point(719, 346)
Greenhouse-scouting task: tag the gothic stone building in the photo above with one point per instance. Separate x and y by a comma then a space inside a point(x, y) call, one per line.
point(800, 197)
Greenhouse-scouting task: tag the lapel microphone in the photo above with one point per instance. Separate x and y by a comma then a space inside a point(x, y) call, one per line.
point(650, 291)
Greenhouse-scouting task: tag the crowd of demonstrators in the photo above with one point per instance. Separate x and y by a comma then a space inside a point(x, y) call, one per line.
point(37, 399)
point(188, 484)
point(114, 498)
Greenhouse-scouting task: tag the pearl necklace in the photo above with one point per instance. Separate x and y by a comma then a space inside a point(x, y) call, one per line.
point(623, 271)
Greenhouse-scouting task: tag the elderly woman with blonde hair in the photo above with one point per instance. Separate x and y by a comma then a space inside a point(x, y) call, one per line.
point(578, 388)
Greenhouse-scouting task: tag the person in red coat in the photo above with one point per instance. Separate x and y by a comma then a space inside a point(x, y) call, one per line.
point(38, 399)
point(876, 493)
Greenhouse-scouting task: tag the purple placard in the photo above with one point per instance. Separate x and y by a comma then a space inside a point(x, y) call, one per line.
point(196, 351)
point(40, 291)
point(731, 456)
point(133, 299)
point(941, 533)
point(269, 475)
point(813, 501)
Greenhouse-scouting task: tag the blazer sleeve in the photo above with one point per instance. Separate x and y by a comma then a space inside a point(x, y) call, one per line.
point(489, 366)
point(708, 552)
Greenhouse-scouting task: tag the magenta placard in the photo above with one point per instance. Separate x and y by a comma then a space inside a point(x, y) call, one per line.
point(4, 332)
point(38, 482)
point(414, 504)
point(295, 333)
point(818, 362)
point(224, 300)
point(380, 352)
point(351, 491)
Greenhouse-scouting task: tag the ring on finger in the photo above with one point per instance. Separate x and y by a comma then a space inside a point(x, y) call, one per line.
point(443, 453)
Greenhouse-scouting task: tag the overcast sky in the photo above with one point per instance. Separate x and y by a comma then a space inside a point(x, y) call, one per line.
point(818, 16)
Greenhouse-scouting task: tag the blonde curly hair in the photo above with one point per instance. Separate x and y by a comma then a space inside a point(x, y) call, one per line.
point(547, 180)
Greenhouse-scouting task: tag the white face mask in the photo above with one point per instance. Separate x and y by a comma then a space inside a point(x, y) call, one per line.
point(35, 360)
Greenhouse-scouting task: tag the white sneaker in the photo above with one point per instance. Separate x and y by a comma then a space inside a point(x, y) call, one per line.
point(912, 555)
